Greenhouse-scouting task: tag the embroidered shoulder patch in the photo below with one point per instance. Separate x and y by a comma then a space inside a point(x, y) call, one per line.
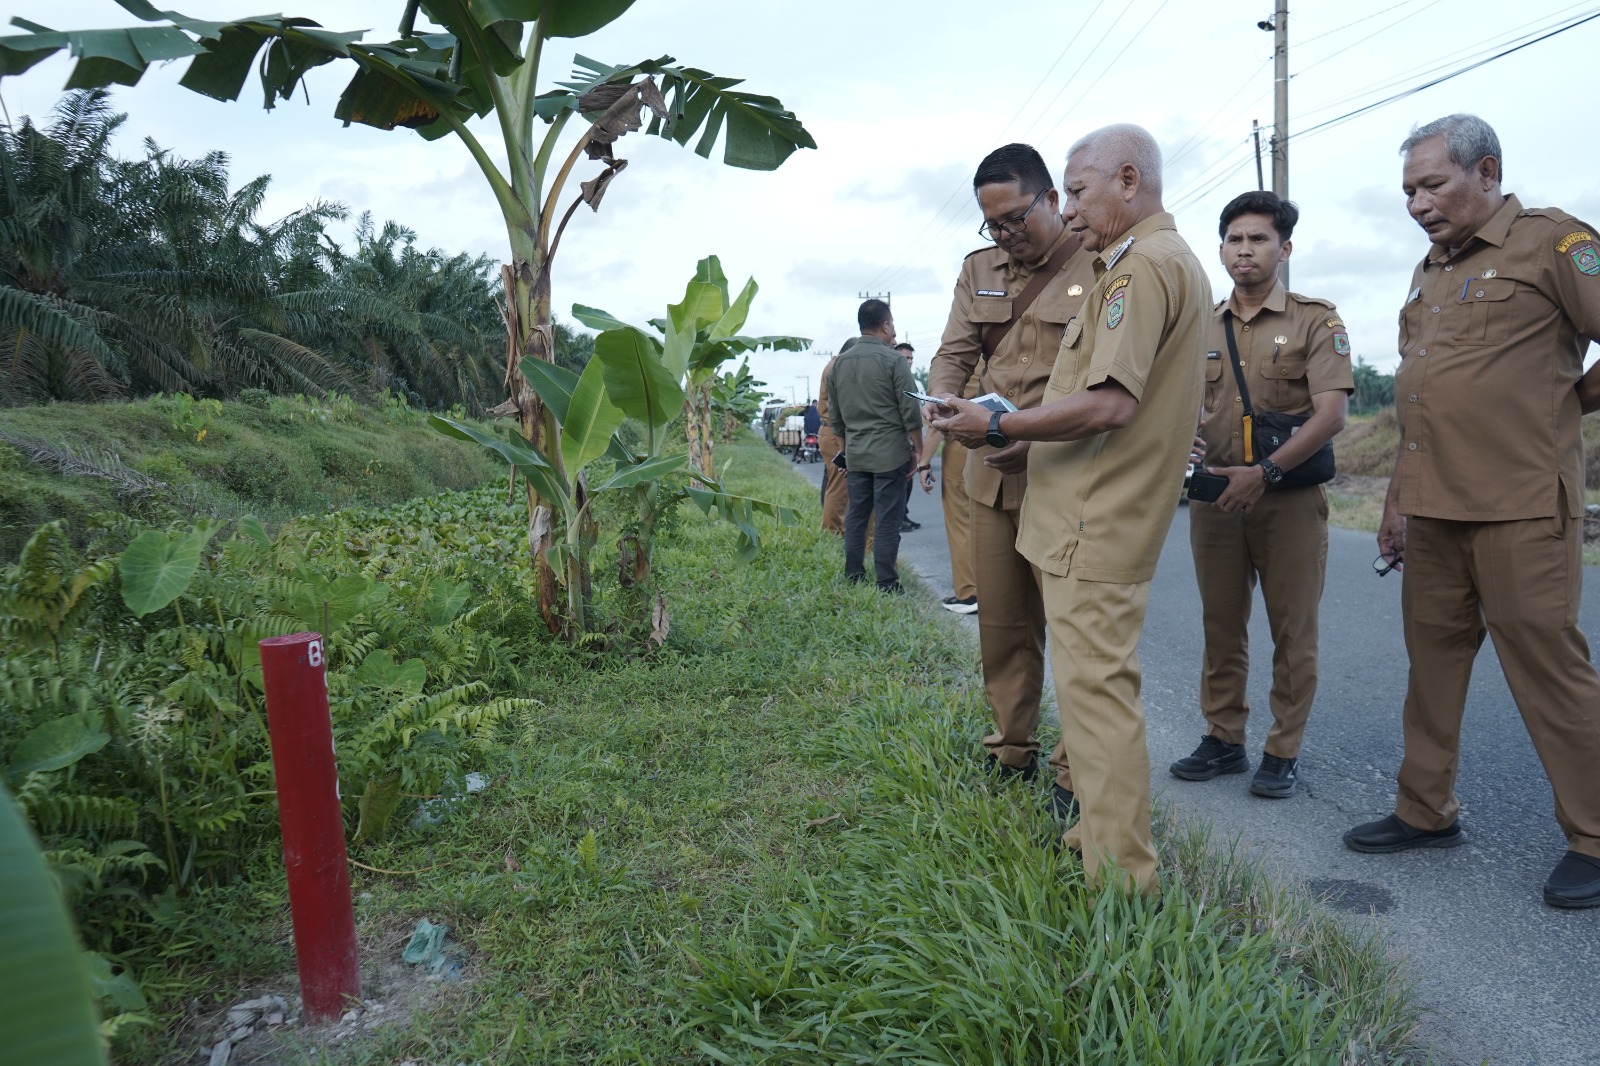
point(1579, 247)
point(1335, 323)
point(1117, 300)
point(1341, 343)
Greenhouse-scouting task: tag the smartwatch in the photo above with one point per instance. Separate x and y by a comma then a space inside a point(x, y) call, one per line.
point(996, 439)
point(1273, 473)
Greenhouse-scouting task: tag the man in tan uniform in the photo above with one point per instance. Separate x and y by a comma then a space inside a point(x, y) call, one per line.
point(1294, 354)
point(958, 515)
point(835, 485)
point(1484, 506)
point(1114, 433)
point(1022, 216)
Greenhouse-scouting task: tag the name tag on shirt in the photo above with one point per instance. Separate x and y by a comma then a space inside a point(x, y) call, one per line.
point(1213, 355)
point(1416, 294)
point(991, 292)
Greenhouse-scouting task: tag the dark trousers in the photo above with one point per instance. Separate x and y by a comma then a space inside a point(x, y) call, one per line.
point(884, 495)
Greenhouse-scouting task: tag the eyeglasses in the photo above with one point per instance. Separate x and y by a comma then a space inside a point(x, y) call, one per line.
point(1383, 564)
point(1010, 227)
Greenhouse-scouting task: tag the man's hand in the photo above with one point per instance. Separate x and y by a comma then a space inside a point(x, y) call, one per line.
point(1392, 535)
point(1012, 459)
point(962, 419)
point(1246, 485)
point(930, 411)
point(927, 480)
point(1197, 450)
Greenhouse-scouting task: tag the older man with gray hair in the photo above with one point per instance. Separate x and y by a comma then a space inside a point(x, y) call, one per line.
point(1484, 507)
point(1113, 437)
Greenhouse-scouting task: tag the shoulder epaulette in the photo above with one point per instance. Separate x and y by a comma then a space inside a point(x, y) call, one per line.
point(1118, 252)
point(1329, 304)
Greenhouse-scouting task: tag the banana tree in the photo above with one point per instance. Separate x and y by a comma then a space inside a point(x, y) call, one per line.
point(696, 338)
point(736, 397)
point(481, 59)
point(625, 379)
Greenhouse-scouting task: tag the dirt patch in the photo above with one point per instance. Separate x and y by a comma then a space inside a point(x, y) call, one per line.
point(392, 993)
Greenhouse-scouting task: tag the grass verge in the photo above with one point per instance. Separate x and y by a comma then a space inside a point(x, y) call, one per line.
point(276, 458)
point(767, 843)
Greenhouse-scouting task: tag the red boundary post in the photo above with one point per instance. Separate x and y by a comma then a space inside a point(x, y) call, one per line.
point(294, 673)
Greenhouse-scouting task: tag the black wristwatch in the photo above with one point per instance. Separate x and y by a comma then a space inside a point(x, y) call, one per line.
point(1272, 471)
point(997, 439)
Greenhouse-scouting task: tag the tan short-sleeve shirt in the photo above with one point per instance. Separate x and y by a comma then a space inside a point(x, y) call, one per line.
point(1099, 508)
point(1292, 348)
point(1492, 342)
point(1020, 366)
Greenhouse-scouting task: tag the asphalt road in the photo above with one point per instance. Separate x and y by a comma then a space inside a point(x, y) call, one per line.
point(1506, 978)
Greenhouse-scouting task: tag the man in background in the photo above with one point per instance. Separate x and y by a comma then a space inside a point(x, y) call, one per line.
point(880, 427)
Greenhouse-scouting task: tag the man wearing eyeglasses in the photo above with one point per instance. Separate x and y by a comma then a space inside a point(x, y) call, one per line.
point(1032, 259)
point(1486, 500)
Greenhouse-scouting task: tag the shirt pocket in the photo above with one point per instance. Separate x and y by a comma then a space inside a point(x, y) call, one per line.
point(988, 310)
point(1064, 375)
point(1053, 311)
point(1282, 383)
point(1213, 383)
point(1488, 315)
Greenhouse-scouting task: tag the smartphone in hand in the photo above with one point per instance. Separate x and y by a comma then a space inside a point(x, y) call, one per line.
point(1206, 488)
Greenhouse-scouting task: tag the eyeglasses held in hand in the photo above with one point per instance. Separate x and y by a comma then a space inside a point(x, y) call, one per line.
point(1383, 564)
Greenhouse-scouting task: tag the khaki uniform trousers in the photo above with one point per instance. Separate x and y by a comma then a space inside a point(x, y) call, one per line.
point(957, 518)
point(1011, 627)
point(1283, 542)
point(1521, 581)
point(835, 485)
point(1094, 655)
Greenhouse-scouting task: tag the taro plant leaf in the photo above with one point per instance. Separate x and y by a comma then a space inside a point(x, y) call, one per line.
point(251, 527)
point(659, 466)
point(516, 451)
point(59, 743)
point(586, 434)
point(49, 1006)
point(446, 600)
point(638, 381)
point(156, 569)
point(334, 602)
point(119, 988)
point(380, 669)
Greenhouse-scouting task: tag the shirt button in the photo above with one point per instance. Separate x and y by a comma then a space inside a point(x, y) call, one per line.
point(1247, 329)
point(1435, 310)
point(1411, 447)
point(1480, 294)
point(1448, 269)
point(1238, 399)
point(1024, 359)
point(1412, 397)
point(1424, 351)
point(1236, 435)
point(1011, 392)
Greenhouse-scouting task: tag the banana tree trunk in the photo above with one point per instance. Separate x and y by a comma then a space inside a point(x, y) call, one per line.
point(697, 424)
point(529, 334)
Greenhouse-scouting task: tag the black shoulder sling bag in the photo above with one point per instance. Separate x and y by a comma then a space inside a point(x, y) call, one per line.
point(1266, 432)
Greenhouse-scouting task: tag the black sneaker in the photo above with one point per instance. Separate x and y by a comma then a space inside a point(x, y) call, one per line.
point(1391, 834)
point(1277, 778)
point(892, 588)
point(1214, 756)
point(960, 606)
point(1063, 804)
point(1002, 772)
point(909, 526)
point(1575, 882)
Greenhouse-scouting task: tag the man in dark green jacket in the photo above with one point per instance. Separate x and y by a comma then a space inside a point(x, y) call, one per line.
point(881, 426)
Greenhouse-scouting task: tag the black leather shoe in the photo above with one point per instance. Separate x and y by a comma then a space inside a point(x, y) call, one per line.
point(1277, 778)
point(1391, 834)
point(1002, 772)
point(909, 526)
point(1063, 804)
point(893, 588)
point(1575, 882)
point(1214, 756)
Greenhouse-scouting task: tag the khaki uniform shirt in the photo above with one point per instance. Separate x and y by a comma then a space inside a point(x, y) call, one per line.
point(1021, 365)
point(1492, 341)
point(869, 408)
point(1099, 508)
point(822, 393)
point(1293, 348)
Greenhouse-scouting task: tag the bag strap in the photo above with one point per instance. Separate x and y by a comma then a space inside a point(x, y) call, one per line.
point(1244, 390)
point(995, 332)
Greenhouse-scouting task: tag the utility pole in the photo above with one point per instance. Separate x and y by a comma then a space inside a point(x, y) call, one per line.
point(1279, 25)
point(884, 296)
point(1255, 131)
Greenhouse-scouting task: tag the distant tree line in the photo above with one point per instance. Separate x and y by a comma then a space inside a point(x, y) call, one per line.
point(1374, 389)
point(122, 278)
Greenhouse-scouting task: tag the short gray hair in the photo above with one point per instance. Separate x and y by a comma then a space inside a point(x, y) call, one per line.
point(1111, 147)
point(1468, 137)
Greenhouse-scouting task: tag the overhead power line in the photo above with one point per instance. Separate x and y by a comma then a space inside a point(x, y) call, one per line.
point(1347, 116)
point(1389, 10)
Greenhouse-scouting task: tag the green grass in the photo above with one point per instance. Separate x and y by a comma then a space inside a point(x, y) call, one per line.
point(768, 842)
point(287, 457)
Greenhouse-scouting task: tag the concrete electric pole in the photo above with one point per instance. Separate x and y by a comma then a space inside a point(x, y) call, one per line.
point(1279, 25)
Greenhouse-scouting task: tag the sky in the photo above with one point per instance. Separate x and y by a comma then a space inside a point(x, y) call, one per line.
point(904, 99)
